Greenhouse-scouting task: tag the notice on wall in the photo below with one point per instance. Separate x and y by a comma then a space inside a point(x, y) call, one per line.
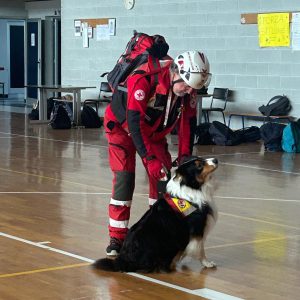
point(274, 30)
point(77, 27)
point(90, 32)
point(102, 32)
point(85, 38)
point(296, 31)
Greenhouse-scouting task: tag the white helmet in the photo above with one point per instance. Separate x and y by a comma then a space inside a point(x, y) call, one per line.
point(193, 68)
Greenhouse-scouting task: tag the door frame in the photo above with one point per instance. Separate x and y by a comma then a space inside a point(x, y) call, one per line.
point(39, 75)
point(14, 23)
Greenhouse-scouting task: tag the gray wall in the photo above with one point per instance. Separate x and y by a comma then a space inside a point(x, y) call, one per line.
point(12, 9)
point(237, 62)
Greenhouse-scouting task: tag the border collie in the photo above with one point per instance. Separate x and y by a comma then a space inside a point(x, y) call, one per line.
point(175, 226)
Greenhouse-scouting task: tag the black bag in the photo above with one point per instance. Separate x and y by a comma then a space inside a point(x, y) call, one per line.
point(34, 114)
point(202, 135)
point(271, 133)
point(277, 106)
point(90, 118)
point(249, 134)
point(61, 116)
point(223, 135)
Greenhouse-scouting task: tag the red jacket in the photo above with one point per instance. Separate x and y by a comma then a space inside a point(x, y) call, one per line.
point(142, 112)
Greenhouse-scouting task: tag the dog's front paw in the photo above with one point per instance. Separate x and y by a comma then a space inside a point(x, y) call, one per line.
point(208, 264)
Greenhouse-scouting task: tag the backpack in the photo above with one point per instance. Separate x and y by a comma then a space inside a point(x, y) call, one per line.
point(136, 53)
point(223, 135)
point(202, 135)
point(90, 118)
point(277, 106)
point(61, 116)
point(249, 134)
point(291, 137)
point(271, 133)
point(34, 114)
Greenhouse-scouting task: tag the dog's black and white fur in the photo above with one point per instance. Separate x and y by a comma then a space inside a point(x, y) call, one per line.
point(163, 235)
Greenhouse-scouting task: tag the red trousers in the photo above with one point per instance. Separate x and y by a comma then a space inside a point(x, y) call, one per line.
point(122, 160)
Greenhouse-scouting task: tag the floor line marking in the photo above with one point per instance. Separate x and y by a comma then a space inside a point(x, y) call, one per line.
point(50, 178)
point(212, 295)
point(258, 220)
point(54, 140)
point(146, 195)
point(259, 199)
point(258, 168)
point(71, 193)
point(44, 270)
point(197, 292)
point(46, 247)
point(253, 242)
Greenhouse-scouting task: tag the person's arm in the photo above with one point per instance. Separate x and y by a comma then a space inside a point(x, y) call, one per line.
point(137, 99)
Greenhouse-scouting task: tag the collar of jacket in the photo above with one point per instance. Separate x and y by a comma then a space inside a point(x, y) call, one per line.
point(180, 205)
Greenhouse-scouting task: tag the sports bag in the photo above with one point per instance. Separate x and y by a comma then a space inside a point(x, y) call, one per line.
point(223, 135)
point(202, 135)
point(277, 106)
point(90, 118)
point(249, 134)
point(291, 137)
point(271, 134)
point(34, 114)
point(137, 52)
point(61, 116)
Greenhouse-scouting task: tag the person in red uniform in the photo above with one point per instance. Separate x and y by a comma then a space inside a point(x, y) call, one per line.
point(139, 119)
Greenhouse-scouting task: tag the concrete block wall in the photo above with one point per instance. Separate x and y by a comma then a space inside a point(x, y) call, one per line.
point(12, 9)
point(254, 74)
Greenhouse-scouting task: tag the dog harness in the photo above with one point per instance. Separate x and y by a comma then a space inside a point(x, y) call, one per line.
point(180, 205)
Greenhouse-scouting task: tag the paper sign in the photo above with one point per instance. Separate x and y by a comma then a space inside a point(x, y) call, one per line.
point(77, 26)
point(296, 31)
point(274, 30)
point(85, 39)
point(90, 32)
point(102, 32)
point(112, 26)
point(32, 40)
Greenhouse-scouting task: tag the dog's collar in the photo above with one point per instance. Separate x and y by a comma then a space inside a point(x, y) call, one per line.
point(180, 205)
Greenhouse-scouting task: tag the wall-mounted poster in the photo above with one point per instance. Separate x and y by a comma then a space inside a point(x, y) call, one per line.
point(274, 30)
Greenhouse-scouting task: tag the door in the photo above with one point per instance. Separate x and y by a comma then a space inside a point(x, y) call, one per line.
point(16, 57)
point(33, 56)
point(52, 54)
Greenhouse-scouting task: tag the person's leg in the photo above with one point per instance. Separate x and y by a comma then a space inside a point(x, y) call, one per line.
point(122, 163)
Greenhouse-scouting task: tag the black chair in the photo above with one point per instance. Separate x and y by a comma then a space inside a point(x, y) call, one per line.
point(105, 95)
point(2, 88)
point(218, 103)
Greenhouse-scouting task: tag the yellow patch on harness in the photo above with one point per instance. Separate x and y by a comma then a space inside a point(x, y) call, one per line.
point(181, 204)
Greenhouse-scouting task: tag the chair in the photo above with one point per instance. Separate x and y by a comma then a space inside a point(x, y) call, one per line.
point(217, 104)
point(105, 95)
point(2, 87)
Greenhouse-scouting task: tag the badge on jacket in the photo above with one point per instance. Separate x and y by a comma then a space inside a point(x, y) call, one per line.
point(139, 95)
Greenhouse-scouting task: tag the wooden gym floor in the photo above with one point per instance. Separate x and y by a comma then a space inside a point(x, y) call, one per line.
point(54, 191)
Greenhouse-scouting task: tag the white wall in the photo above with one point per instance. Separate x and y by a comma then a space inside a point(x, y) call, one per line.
point(213, 26)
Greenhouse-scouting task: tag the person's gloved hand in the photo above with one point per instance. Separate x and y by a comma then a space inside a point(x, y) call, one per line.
point(178, 160)
point(155, 168)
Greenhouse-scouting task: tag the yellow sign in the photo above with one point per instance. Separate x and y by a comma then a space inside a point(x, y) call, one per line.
point(274, 30)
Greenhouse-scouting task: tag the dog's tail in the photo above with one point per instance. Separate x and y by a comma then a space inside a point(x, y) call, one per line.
point(107, 264)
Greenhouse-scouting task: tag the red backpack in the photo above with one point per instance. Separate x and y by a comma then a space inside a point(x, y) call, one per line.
point(136, 53)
